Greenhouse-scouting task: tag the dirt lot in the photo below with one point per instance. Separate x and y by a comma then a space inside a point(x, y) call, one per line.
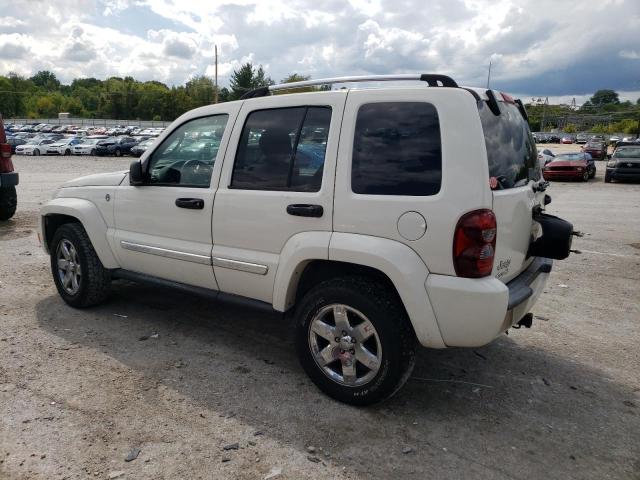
point(80, 389)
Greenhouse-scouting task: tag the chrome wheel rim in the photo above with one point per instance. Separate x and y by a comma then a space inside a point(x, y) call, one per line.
point(69, 269)
point(345, 345)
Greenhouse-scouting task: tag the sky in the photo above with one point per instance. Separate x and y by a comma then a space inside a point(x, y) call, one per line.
point(556, 48)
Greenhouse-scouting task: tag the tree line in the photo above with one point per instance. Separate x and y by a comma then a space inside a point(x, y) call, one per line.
point(44, 96)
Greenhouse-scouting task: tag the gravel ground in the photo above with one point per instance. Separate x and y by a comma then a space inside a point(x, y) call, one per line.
point(79, 390)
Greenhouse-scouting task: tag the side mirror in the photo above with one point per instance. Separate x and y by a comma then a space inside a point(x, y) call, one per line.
point(135, 173)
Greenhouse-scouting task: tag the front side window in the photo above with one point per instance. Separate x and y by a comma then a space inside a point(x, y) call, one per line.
point(397, 150)
point(282, 149)
point(186, 157)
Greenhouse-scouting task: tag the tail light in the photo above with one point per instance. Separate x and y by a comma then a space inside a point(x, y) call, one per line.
point(6, 165)
point(474, 244)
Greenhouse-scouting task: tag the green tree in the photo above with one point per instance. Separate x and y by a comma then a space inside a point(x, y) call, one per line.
point(247, 78)
point(46, 79)
point(603, 97)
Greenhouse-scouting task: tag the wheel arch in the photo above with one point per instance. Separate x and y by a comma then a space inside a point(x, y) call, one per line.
point(61, 211)
point(391, 263)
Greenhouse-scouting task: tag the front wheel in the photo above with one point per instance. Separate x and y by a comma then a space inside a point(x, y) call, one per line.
point(585, 176)
point(67, 152)
point(607, 177)
point(354, 340)
point(118, 152)
point(81, 279)
point(36, 152)
point(8, 202)
point(93, 151)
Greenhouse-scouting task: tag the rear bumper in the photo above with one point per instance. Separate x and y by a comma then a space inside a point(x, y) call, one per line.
point(9, 179)
point(473, 312)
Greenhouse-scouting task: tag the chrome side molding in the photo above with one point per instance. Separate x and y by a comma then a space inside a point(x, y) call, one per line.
point(194, 258)
point(241, 266)
point(164, 252)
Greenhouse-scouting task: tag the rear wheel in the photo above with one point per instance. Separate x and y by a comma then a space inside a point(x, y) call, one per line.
point(36, 152)
point(8, 202)
point(81, 279)
point(93, 151)
point(118, 152)
point(354, 340)
point(67, 152)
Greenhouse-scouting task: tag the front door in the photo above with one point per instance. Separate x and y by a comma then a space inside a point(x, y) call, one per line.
point(163, 228)
point(277, 182)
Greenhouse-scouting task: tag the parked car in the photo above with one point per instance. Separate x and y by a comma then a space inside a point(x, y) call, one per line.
point(141, 147)
point(582, 138)
point(88, 145)
point(624, 164)
point(597, 138)
point(14, 142)
point(34, 147)
point(62, 147)
point(545, 156)
point(598, 150)
point(342, 244)
point(117, 146)
point(8, 178)
point(554, 138)
point(567, 139)
point(570, 166)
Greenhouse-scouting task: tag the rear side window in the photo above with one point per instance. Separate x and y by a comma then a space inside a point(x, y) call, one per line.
point(282, 149)
point(397, 150)
point(511, 149)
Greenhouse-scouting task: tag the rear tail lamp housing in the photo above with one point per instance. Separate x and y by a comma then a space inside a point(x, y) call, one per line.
point(474, 244)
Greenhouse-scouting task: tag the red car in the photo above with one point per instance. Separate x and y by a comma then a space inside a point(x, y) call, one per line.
point(570, 166)
point(567, 139)
point(8, 178)
point(597, 150)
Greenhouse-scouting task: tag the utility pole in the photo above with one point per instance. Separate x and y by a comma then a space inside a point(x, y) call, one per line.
point(215, 95)
point(544, 106)
point(489, 75)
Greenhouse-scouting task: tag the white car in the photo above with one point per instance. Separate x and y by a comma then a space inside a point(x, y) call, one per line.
point(358, 212)
point(37, 147)
point(545, 156)
point(87, 145)
point(62, 147)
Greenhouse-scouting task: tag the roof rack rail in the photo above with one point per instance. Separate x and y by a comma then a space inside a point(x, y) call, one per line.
point(432, 79)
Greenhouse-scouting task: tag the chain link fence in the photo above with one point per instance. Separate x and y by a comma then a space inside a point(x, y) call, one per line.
point(89, 122)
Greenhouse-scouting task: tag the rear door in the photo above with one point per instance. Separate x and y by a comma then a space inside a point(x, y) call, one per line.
point(513, 163)
point(277, 181)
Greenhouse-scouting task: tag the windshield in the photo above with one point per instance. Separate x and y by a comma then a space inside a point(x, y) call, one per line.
point(627, 153)
point(571, 157)
point(511, 149)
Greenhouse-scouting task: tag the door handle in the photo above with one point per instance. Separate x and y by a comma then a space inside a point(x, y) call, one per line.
point(305, 210)
point(191, 203)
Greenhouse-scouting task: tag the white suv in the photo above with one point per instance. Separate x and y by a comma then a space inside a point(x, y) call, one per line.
point(378, 218)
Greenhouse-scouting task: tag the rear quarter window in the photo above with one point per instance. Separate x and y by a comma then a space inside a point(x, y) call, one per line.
point(511, 149)
point(397, 150)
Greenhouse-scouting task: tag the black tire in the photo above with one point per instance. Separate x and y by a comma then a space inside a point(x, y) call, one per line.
point(95, 282)
point(385, 311)
point(586, 176)
point(93, 152)
point(67, 152)
point(607, 177)
point(118, 153)
point(36, 152)
point(8, 202)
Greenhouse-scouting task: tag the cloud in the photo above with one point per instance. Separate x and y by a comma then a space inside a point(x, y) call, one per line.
point(537, 47)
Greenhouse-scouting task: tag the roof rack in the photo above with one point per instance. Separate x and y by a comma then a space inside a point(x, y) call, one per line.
point(432, 79)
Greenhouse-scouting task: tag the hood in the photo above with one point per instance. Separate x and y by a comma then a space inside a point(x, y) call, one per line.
point(567, 163)
point(112, 179)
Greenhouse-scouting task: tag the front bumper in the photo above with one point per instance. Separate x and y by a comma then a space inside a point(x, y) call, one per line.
point(562, 174)
point(626, 173)
point(9, 179)
point(472, 312)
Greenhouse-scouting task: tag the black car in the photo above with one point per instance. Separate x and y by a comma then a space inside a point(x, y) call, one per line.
point(624, 164)
point(14, 142)
point(141, 147)
point(117, 146)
